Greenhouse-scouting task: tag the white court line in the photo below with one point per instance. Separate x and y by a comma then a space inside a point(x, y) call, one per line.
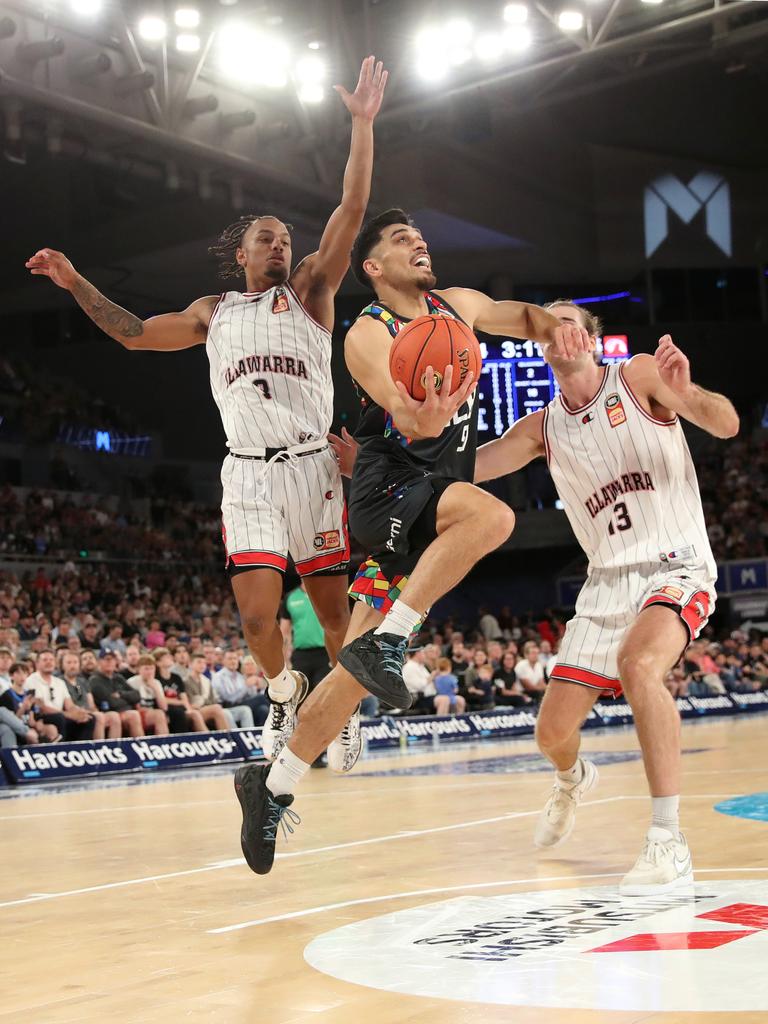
point(220, 865)
point(448, 888)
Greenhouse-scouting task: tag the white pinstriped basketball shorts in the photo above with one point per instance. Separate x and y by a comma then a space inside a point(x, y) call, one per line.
point(610, 601)
point(287, 507)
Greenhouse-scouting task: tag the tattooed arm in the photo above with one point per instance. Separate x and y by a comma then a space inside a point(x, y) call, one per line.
point(164, 333)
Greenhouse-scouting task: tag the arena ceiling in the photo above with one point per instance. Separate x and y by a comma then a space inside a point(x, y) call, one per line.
point(132, 154)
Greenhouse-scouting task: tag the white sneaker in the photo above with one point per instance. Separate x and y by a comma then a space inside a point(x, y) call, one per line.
point(281, 720)
point(557, 819)
point(344, 751)
point(664, 864)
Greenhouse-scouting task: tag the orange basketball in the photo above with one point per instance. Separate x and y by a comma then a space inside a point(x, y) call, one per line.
point(434, 341)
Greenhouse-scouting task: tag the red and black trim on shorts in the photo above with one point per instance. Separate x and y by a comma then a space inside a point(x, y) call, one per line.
point(565, 673)
point(694, 613)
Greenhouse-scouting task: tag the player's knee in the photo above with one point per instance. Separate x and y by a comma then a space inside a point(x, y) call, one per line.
point(257, 627)
point(636, 668)
point(335, 618)
point(498, 525)
point(550, 732)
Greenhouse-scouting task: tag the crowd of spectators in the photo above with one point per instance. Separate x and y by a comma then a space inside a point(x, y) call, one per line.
point(57, 524)
point(100, 653)
point(734, 489)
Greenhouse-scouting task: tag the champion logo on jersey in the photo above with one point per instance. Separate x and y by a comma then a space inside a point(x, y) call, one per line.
point(280, 301)
point(587, 417)
point(615, 410)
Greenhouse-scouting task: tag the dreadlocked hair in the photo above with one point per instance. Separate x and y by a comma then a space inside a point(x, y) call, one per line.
point(231, 239)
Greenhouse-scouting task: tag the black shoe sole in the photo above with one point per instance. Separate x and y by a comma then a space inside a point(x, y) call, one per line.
point(396, 696)
point(249, 833)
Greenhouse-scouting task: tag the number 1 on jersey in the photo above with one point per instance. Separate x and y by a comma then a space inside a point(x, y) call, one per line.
point(622, 520)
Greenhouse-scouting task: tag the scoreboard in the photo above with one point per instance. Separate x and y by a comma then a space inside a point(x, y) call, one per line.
point(515, 381)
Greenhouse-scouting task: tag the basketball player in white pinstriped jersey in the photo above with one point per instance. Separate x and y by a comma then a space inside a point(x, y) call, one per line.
point(270, 361)
point(621, 465)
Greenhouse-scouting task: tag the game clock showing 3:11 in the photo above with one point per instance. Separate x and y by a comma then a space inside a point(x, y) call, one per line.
point(515, 380)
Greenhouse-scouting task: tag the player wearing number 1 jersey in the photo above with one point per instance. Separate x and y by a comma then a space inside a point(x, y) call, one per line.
point(269, 349)
point(622, 468)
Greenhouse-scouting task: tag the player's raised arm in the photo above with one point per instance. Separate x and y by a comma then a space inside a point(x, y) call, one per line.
point(366, 350)
point(165, 333)
point(518, 320)
point(331, 261)
point(521, 444)
point(664, 381)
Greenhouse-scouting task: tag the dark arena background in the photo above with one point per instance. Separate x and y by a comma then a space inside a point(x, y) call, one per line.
point(608, 152)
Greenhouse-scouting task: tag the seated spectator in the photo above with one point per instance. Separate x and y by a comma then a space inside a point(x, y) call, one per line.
point(19, 721)
point(447, 698)
point(489, 625)
point(106, 723)
point(530, 672)
point(155, 637)
point(130, 661)
point(111, 692)
point(6, 660)
point(509, 689)
point(495, 652)
point(153, 705)
point(113, 641)
point(181, 662)
point(200, 693)
point(459, 656)
point(182, 717)
point(546, 656)
point(480, 690)
point(89, 637)
point(232, 692)
point(56, 706)
point(418, 678)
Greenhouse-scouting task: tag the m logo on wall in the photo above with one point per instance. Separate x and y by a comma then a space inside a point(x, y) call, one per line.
point(706, 190)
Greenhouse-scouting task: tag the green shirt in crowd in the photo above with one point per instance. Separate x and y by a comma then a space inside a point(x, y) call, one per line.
point(307, 631)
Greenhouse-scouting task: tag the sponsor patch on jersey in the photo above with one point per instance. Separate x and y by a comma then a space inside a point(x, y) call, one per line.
point(674, 592)
point(681, 555)
point(615, 410)
point(327, 541)
point(280, 302)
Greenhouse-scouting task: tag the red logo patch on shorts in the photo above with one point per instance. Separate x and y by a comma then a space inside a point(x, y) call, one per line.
point(615, 410)
point(327, 541)
point(280, 303)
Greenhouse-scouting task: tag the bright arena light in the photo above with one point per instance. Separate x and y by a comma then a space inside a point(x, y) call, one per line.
point(187, 17)
point(489, 46)
point(311, 92)
point(516, 14)
point(457, 39)
point(653, 1)
point(310, 70)
point(570, 21)
point(437, 48)
point(187, 42)
point(86, 8)
point(517, 38)
point(152, 28)
point(252, 57)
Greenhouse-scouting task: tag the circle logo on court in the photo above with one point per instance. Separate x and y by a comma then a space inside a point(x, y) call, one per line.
point(698, 949)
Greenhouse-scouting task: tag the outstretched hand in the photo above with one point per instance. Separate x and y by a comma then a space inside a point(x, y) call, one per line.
point(570, 341)
point(49, 263)
point(365, 101)
point(673, 366)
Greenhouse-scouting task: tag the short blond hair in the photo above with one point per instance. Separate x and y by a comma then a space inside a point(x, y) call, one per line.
point(591, 321)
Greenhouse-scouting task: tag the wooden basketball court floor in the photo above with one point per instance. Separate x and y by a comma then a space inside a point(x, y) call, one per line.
point(132, 904)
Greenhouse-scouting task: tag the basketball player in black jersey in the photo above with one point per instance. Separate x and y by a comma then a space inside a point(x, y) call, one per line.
point(412, 501)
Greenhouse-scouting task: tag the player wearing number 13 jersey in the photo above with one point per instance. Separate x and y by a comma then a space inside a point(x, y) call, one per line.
point(622, 468)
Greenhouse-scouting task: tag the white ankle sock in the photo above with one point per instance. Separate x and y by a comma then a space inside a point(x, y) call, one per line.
point(665, 813)
point(400, 620)
point(286, 773)
point(573, 775)
point(281, 688)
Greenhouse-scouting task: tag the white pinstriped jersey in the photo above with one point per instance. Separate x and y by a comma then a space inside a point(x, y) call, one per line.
point(626, 480)
point(270, 369)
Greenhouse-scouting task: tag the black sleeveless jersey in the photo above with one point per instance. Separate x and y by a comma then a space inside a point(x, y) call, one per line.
point(452, 454)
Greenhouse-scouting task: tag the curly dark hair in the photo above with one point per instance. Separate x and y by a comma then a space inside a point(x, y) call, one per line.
point(230, 240)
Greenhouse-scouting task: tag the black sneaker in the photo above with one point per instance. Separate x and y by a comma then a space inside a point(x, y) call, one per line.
point(262, 815)
point(376, 662)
